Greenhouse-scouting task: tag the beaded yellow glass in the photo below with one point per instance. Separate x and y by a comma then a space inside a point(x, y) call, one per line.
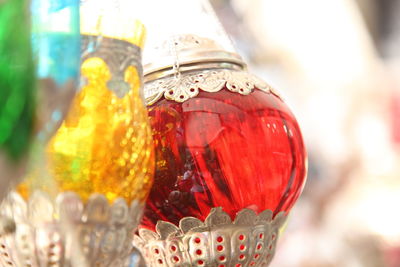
point(105, 143)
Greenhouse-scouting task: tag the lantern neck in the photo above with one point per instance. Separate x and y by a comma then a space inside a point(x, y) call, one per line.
point(189, 52)
point(94, 21)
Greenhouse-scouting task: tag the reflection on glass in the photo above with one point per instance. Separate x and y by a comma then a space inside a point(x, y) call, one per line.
point(56, 47)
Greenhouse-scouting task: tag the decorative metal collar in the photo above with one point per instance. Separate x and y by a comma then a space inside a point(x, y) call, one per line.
point(187, 49)
point(68, 232)
point(249, 240)
point(189, 84)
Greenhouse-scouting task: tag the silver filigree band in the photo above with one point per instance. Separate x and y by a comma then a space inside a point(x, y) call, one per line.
point(68, 232)
point(249, 240)
point(210, 80)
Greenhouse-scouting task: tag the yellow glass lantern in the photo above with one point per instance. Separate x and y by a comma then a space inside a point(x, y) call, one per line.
point(81, 203)
point(104, 145)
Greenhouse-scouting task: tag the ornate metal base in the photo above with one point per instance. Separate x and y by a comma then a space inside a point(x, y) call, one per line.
point(248, 241)
point(68, 232)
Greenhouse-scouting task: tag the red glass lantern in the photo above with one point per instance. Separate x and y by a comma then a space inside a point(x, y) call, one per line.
point(227, 150)
point(230, 161)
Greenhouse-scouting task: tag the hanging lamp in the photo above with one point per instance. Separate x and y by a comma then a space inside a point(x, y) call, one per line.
point(230, 158)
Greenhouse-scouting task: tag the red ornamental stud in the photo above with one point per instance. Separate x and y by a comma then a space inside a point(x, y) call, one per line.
point(230, 161)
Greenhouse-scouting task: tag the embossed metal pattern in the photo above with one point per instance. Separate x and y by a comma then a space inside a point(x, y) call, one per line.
point(249, 240)
point(117, 54)
point(214, 80)
point(68, 232)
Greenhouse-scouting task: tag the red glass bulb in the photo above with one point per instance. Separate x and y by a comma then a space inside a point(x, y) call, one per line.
point(224, 150)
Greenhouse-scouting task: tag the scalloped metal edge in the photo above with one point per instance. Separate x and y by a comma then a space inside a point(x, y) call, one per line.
point(216, 222)
point(189, 84)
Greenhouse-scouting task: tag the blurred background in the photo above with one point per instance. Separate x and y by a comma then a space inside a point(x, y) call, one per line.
point(337, 64)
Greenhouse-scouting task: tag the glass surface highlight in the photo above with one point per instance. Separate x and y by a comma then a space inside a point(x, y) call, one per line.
point(224, 149)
